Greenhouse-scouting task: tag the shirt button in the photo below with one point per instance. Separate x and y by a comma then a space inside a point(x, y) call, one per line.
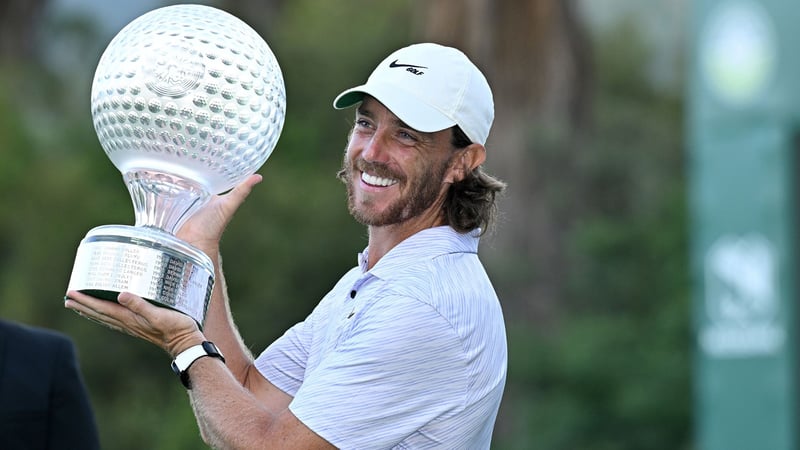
point(353, 293)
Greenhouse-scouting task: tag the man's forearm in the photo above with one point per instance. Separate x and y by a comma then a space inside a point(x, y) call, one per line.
point(220, 328)
point(228, 415)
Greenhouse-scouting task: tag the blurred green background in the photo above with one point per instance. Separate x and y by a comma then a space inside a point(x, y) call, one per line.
point(589, 259)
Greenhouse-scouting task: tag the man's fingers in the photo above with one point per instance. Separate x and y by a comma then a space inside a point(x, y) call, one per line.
point(87, 304)
point(94, 310)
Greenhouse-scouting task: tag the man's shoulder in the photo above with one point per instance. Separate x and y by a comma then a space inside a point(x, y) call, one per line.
point(444, 274)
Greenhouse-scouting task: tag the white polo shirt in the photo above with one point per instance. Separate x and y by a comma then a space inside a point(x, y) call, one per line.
point(410, 354)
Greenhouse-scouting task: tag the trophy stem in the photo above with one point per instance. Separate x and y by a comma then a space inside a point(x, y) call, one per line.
point(163, 200)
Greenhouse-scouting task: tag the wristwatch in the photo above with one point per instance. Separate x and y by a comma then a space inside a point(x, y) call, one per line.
point(187, 357)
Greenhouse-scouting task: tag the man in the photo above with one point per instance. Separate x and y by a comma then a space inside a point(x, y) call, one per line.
point(408, 349)
point(43, 402)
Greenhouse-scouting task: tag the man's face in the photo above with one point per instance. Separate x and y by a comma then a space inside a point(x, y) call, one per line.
point(394, 173)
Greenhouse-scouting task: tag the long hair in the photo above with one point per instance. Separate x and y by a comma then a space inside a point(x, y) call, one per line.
point(471, 202)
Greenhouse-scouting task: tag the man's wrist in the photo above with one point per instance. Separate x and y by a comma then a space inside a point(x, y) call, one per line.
point(180, 365)
point(180, 344)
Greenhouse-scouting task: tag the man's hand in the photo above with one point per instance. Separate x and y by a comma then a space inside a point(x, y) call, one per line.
point(204, 229)
point(169, 329)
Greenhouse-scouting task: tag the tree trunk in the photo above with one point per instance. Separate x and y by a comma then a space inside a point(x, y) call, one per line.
point(536, 57)
point(18, 28)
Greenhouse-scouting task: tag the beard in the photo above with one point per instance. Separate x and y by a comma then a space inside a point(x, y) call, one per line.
point(422, 192)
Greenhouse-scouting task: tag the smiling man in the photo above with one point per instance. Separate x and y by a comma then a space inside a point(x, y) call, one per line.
point(408, 350)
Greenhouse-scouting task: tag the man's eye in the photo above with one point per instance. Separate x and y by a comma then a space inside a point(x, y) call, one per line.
point(407, 136)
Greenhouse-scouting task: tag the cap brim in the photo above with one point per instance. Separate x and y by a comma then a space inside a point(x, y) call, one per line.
point(413, 111)
point(348, 98)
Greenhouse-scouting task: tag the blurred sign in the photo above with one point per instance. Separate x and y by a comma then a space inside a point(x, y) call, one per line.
point(741, 298)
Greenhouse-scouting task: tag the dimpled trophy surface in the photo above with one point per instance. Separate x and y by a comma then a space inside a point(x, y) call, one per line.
point(190, 90)
point(187, 101)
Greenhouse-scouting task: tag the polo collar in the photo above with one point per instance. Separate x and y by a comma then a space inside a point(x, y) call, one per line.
point(421, 247)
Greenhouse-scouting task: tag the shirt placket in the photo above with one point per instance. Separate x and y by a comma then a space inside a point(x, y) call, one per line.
point(350, 306)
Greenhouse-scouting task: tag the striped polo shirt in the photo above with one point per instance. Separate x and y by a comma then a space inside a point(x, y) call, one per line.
point(410, 354)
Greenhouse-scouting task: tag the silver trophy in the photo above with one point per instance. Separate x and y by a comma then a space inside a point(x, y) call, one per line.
point(187, 101)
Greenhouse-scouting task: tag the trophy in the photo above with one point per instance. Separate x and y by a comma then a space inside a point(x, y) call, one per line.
point(187, 102)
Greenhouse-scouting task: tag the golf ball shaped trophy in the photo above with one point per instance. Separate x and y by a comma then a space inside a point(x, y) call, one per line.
point(187, 102)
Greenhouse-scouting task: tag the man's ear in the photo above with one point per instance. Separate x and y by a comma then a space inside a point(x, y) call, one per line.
point(470, 157)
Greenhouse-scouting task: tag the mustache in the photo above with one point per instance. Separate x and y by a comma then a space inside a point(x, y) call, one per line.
point(377, 168)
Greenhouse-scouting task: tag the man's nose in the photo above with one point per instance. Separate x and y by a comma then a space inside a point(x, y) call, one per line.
point(375, 149)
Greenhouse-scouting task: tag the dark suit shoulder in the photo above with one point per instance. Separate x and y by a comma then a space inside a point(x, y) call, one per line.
point(29, 335)
point(42, 396)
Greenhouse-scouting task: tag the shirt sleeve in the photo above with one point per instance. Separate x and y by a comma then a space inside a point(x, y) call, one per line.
point(283, 363)
point(400, 367)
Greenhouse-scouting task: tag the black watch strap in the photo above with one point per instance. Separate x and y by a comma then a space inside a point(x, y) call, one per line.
point(186, 358)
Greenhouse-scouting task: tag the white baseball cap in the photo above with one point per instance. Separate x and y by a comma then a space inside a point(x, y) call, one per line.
point(430, 87)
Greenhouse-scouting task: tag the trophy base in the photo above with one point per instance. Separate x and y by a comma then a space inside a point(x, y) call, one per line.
point(148, 262)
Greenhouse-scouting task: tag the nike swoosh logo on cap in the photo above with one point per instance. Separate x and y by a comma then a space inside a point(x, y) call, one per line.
point(395, 64)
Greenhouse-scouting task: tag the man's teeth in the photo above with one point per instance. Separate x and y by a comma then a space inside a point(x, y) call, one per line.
point(376, 181)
